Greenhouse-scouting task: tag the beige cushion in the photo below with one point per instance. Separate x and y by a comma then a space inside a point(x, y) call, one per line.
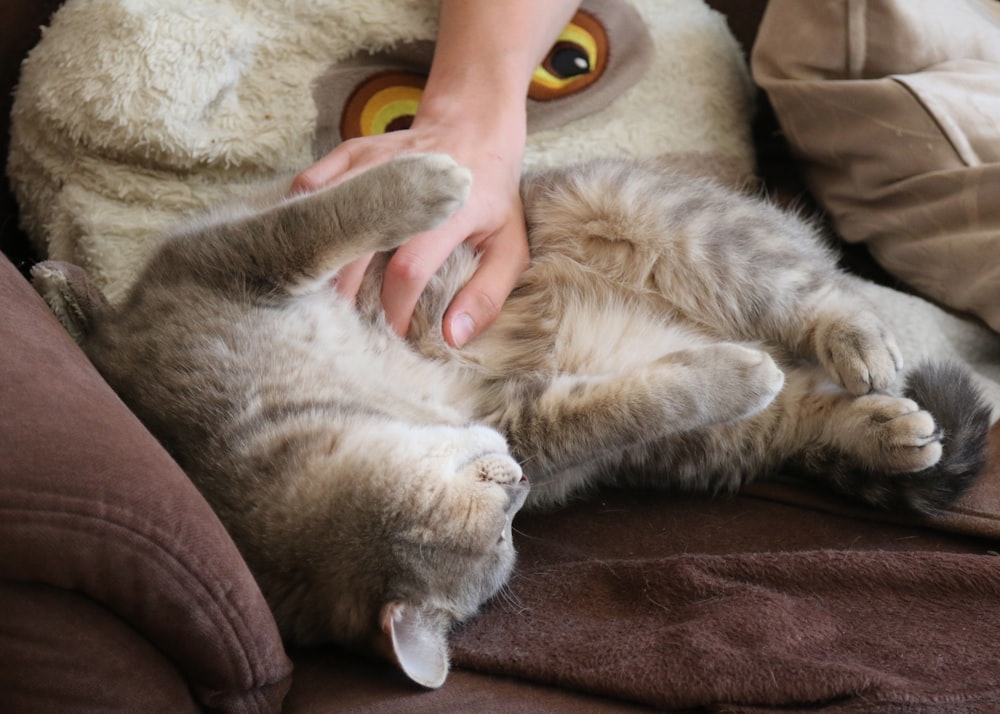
point(894, 107)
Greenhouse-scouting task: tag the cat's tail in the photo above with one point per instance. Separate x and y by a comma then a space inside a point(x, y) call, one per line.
point(947, 391)
point(71, 295)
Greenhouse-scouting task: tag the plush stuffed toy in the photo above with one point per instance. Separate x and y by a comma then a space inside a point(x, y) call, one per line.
point(133, 113)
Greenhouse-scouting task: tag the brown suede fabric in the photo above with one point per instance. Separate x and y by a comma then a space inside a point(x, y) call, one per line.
point(976, 513)
point(60, 652)
point(328, 680)
point(684, 603)
point(89, 502)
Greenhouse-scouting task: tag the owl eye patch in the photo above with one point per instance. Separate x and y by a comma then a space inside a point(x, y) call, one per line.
point(567, 61)
point(384, 102)
point(372, 94)
point(388, 101)
point(577, 59)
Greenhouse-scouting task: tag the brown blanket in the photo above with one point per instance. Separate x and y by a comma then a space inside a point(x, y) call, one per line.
point(977, 513)
point(630, 601)
point(745, 605)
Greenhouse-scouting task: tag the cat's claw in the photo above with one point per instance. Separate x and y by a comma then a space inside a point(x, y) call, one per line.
point(862, 355)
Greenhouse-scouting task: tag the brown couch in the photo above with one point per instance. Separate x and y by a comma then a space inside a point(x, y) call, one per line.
point(120, 590)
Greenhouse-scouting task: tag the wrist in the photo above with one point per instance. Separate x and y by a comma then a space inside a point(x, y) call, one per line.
point(489, 94)
point(479, 119)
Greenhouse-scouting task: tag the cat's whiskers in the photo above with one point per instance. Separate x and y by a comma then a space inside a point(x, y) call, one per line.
point(507, 600)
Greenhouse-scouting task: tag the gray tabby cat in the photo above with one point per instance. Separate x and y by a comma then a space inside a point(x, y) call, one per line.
point(368, 481)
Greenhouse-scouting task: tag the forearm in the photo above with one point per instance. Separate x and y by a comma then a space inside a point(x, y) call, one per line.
point(486, 53)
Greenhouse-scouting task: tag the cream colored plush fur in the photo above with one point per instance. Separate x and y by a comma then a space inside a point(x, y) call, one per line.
point(131, 113)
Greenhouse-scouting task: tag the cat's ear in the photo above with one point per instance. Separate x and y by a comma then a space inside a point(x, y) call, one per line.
point(418, 643)
point(74, 299)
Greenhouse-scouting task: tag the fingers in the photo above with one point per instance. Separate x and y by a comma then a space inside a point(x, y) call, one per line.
point(411, 268)
point(348, 159)
point(324, 171)
point(491, 221)
point(350, 277)
point(502, 260)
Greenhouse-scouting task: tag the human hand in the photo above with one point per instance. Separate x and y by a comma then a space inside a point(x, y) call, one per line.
point(491, 221)
point(473, 108)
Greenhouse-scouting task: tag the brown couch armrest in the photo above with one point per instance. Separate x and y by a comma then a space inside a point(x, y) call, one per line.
point(90, 502)
point(61, 652)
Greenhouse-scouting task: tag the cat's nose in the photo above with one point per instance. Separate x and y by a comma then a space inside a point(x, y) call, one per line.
point(517, 491)
point(500, 468)
point(504, 471)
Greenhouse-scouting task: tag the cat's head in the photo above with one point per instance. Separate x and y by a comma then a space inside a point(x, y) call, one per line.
point(413, 537)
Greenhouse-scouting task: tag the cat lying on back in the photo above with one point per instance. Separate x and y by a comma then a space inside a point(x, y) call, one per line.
point(668, 333)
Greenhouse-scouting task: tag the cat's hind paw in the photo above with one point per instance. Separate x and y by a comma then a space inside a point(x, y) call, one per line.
point(733, 381)
point(919, 452)
point(898, 436)
point(914, 462)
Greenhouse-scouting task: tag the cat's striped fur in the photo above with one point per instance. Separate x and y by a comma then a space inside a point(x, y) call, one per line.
point(668, 333)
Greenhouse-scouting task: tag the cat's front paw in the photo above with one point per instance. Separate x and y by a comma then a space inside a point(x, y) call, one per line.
point(861, 354)
point(429, 187)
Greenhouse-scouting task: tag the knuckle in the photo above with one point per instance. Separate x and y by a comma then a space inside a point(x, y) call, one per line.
point(406, 267)
point(305, 183)
point(488, 307)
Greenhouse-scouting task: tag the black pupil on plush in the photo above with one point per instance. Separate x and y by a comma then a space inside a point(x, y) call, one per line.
point(400, 123)
point(569, 61)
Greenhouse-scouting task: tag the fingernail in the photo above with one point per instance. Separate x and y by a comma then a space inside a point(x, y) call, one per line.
point(462, 328)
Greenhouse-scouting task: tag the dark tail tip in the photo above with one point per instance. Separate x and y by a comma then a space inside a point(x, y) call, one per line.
point(947, 391)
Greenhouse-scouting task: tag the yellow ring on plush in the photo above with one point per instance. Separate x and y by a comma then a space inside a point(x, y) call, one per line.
point(388, 105)
point(577, 36)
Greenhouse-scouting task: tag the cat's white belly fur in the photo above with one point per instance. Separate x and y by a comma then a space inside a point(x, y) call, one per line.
point(617, 339)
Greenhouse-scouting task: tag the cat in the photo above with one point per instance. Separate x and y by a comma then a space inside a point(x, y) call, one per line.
point(669, 332)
